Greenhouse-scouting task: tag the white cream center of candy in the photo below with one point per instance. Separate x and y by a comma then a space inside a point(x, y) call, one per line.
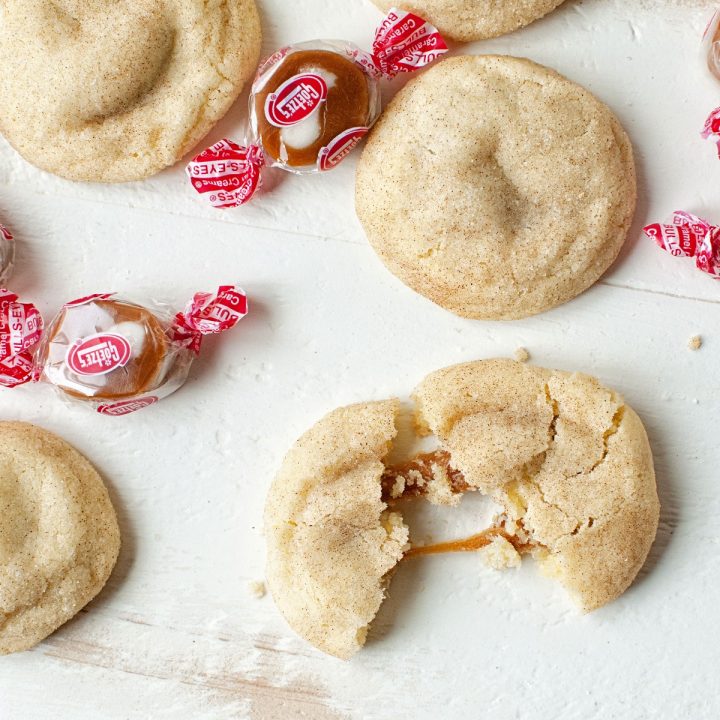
point(307, 131)
point(134, 333)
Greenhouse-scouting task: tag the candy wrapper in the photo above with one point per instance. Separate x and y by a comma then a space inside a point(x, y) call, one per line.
point(690, 236)
point(711, 45)
point(711, 52)
point(7, 254)
point(712, 128)
point(310, 105)
point(110, 352)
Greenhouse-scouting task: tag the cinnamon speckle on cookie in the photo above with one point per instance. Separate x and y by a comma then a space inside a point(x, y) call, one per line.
point(469, 20)
point(59, 537)
point(515, 187)
point(106, 91)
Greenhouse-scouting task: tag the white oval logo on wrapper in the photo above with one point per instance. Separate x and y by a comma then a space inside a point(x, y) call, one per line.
point(296, 99)
point(125, 407)
point(340, 147)
point(98, 354)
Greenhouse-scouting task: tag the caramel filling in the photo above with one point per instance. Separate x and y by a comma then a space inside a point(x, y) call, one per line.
point(347, 104)
point(415, 478)
point(138, 375)
point(472, 544)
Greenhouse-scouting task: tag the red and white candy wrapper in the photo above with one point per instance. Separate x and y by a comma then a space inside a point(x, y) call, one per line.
point(404, 42)
point(21, 327)
point(712, 128)
point(7, 254)
point(208, 314)
point(689, 236)
point(310, 105)
point(228, 174)
point(112, 353)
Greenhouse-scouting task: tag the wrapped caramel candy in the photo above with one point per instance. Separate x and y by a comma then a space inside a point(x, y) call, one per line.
point(310, 105)
point(108, 351)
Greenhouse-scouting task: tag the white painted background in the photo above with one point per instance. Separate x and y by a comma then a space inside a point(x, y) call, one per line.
point(176, 634)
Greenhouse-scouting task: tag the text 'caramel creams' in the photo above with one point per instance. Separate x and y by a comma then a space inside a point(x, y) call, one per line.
point(113, 353)
point(310, 105)
point(687, 235)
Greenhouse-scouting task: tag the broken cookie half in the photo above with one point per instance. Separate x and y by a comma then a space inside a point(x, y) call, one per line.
point(567, 460)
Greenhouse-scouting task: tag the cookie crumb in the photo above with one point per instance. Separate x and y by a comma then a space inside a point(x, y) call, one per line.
point(695, 342)
point(522, 355)
point(500, 554)
point(257, 589)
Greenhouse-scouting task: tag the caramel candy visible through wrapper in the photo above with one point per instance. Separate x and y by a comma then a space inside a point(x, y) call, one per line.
point(105, 350)
point(294, 121)
point(311, 104)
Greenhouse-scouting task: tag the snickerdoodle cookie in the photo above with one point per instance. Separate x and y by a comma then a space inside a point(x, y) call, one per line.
point(331, 540)
point(59, 536)
point(475, 19)
point(496, 187)
point(565, 458)
point(114, 91)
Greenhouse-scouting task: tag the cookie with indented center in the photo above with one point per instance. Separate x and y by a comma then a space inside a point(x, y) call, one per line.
point(59, 537)
point(496, 188)
point(475, 19)
point(566, 459)
point(113, 91)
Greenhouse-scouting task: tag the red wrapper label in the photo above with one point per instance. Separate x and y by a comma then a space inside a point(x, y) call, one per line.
point(125, 407)
point(295, 100)
point(227, 173)
point(21, 326)
point(712, 128)
point(98, 354)
point(5, 234)
point(208, 314)
point(404, 42)
point(338, 149)
point(689, 236)
point(88, 299)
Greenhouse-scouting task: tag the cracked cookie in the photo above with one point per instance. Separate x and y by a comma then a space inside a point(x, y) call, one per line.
point(331, 540)
point(468, 20)
point(513, 186)
point(566, 459)
point(59, 537)
point(114, 91)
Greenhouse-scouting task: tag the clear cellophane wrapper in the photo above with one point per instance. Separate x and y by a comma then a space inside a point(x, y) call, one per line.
point(112, 353)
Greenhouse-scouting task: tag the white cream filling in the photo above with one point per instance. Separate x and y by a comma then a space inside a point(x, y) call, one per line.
point(134, 333)
point(307, 132)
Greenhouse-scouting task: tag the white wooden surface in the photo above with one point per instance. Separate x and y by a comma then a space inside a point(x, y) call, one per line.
point(176, 634)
